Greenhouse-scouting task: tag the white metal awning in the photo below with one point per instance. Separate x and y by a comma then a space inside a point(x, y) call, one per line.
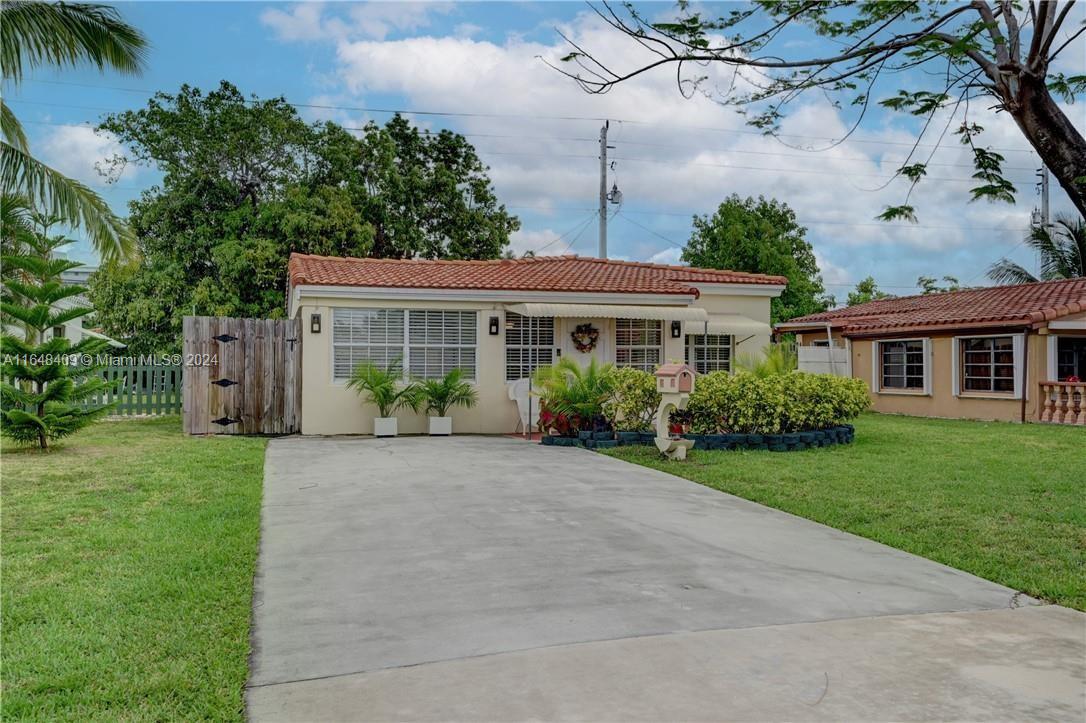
point(611, 311)
point(735, 324)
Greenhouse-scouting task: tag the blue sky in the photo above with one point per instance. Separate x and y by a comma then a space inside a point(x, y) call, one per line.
point(672, 157)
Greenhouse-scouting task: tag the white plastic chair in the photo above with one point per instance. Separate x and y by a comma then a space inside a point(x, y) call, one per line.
point(526, 406)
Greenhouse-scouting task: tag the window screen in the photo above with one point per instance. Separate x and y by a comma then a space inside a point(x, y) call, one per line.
point(709, 352)
point(902, 364)
point(987, 364)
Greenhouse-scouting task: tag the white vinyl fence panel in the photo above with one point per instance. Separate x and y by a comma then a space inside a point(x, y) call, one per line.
point(824, 360)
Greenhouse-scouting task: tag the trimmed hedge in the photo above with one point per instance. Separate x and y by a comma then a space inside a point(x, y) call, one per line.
point(795, 402)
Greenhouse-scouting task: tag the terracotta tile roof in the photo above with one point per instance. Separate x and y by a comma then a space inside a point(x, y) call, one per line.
point(1032, 304)
point(542, 273)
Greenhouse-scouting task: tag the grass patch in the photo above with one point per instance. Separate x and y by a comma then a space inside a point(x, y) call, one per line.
point(129, 553)
point(1006, 502)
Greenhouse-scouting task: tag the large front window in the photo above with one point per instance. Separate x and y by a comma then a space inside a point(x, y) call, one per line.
point(987, 364)
point(709, 352)
point(902, 364)
point(529, 344)
point(639, 343)
point(426, 343)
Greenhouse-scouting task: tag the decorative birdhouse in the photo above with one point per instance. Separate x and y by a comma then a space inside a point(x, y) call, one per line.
point(674, 379)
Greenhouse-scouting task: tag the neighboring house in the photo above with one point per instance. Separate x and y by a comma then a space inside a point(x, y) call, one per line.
point(499, 320)
point(1005, 352)
point(74, 329)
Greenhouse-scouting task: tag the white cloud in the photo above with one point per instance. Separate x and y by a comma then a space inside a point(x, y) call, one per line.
point(681, 156)
point(310, 21)
point(301, 22)
point(467, 30)
point(76, 150)
point(670, 256)
point(541, 242)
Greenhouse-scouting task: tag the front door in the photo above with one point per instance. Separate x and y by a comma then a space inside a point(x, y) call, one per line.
point(580, 332)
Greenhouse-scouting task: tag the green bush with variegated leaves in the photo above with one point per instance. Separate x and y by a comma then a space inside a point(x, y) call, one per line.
point(748, 404)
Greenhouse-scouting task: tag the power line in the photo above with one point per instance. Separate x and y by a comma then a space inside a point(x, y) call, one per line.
point(580, 225)
point(573, 139)
point(531, 116)
point(654, 233)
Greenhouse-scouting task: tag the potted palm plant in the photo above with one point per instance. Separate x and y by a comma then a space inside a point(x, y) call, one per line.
point(442, 394)
point(384, 387)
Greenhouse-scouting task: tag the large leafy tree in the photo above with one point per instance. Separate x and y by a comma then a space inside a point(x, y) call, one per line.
point(427, 195)
point(247, 181)
point(865, 291)
point(932, 55)
point(1062, 250)
point(45, 383)
point(62, 35)
point(760, 236)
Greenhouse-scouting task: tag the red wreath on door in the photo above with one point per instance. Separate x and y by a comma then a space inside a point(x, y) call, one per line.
point(585, 337)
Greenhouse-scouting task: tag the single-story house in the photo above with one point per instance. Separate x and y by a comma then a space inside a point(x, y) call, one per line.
point(1001, 353)
point(499, 320)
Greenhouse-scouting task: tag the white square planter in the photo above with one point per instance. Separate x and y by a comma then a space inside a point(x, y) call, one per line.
point(384, 426)
point(440, 426)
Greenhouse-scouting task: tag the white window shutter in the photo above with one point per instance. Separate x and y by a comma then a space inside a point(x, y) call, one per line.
point(955, 368)
point(1051, 369)
point(1019, 342)
point(876, 350)
point(927, 366)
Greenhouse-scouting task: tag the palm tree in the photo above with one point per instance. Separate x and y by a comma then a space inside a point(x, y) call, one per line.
point(1062, 248)
point(36, 34)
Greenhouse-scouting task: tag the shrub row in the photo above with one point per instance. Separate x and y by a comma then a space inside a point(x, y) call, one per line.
point(602, 397)
point(786, 442)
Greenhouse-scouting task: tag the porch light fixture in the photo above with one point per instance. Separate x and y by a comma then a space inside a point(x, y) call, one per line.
point(315, 323)
point(676, 329)
point(493, 326)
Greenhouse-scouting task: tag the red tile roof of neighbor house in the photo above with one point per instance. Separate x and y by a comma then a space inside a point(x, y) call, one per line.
point(1026, 304)
point(540, 273)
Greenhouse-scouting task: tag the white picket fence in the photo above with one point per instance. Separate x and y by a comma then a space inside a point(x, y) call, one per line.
point(824, 360)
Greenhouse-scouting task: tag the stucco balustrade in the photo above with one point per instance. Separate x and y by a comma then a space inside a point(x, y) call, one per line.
point(1063, 402)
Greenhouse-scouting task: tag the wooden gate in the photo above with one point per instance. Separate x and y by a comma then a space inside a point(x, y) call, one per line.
point(242, 376)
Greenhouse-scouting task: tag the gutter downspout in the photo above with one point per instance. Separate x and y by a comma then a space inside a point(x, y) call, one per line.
point(1025, 370)
point(829, 349)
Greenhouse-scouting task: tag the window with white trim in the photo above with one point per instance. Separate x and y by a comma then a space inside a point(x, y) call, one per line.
point(440, 341)
point(361, 335)
point(709, 352)
point(987, 364)
point(901, 364)
point(639, 343)
point(529, 344)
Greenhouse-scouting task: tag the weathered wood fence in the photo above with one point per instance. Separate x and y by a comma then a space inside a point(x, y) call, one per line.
point(242, 376)
point(142, 388)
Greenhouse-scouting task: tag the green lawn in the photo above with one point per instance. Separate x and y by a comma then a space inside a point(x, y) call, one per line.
point(128, 560)
point(1003, 501)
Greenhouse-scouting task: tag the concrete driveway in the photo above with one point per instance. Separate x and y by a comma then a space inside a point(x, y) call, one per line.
point(480, 578)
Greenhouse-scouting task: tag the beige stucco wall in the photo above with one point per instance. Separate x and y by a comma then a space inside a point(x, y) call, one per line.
point(329, 407)
point(942, 402)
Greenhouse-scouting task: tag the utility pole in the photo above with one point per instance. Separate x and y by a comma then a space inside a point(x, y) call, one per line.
point(1040, 217)
point(1042, 172)
point(602, 253)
